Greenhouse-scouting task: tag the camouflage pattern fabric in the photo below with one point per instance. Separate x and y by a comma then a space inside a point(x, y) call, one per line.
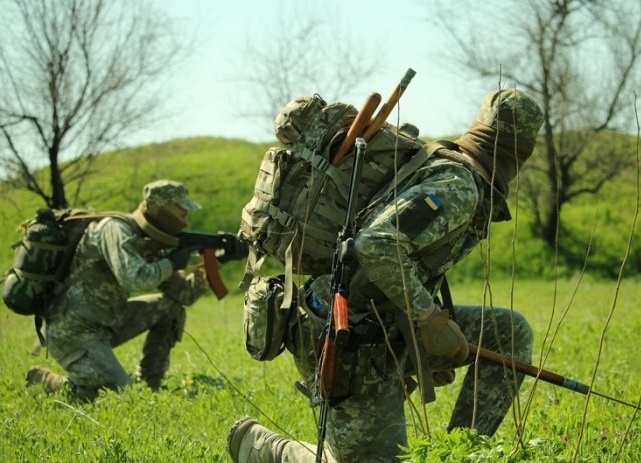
point(162, 193)
point(410, 236)
point(503, 134)
point(440, 214)
point(436, 228)
point(94, 314)
point(354, 426)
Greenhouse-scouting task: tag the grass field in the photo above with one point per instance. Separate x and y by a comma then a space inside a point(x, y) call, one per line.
point(212, 381)
point(585, 330)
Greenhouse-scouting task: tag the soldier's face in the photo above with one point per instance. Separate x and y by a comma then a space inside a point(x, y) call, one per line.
point(181, 214)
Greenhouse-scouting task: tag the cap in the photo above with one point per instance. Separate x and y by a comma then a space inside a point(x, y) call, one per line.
point(168, 192)
point(511, 111)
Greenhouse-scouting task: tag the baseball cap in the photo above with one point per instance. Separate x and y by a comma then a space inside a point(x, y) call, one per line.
point(168, 192)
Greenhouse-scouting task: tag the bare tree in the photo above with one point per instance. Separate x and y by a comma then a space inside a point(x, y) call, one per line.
point(307, 55)
point(580, 58)
point(76, 76)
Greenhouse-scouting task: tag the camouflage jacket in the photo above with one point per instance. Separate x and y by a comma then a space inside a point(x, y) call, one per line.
point(435, 218)
point(113, 261)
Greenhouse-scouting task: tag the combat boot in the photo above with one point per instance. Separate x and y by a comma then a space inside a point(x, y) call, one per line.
point(40, 375)
point(249, 442)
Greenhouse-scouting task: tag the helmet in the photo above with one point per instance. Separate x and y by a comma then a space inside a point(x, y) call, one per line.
point(511, 111)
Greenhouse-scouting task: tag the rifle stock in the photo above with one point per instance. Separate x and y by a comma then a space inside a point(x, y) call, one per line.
point(530, 370)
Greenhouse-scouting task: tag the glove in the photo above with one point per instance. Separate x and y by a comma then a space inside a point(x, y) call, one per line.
point(235, 249)
point(442, 337)
point(179, 257)
point(443, 378)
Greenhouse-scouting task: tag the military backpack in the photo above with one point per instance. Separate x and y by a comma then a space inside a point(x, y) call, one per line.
point(42, 259)
point(300, 197)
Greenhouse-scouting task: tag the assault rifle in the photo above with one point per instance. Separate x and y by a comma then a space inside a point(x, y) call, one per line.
point(543, 375)
point(209, 243)
point(337, 329)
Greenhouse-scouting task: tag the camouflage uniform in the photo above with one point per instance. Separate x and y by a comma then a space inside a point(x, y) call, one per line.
point(408, 241)
point(95, 313)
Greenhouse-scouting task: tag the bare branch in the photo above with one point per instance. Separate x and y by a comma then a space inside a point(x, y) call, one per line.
point(582, 60)
point(79, 75)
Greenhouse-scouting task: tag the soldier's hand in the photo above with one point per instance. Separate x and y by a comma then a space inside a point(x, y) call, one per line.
point(179, 257)
point(442, 337)
point(235, 249)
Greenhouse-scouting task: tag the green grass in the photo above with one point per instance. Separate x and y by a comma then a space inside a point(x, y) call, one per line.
point(213, 380)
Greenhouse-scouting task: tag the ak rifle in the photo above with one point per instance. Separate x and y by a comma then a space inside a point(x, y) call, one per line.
point(336, 328)
point(209, 243)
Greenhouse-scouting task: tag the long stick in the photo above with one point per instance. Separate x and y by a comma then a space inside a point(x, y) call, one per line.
point(363, 117)
point(544, 375)
point(387, 107)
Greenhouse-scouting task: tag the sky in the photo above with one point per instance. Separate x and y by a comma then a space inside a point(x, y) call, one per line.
point(439, 100)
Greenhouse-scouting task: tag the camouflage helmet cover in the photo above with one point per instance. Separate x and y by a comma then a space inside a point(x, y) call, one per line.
point(161, 193)
point(511, 111)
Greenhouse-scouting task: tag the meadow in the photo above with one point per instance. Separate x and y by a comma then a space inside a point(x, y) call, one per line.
point(213, 381)
point(585, 328)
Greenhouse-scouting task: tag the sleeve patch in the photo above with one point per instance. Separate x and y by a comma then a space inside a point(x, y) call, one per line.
point(433, 202)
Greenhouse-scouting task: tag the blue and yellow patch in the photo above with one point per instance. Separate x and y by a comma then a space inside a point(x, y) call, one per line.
point(433, 202)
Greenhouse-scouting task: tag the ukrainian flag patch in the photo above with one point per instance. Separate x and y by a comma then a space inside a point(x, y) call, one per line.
point(433, 202)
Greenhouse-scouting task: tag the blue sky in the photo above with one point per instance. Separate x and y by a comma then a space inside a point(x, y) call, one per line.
point(438, 101)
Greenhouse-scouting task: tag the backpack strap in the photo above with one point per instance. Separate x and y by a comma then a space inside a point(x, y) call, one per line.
point(407, 170)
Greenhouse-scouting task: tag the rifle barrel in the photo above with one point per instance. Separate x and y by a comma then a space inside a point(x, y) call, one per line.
point(544, 375)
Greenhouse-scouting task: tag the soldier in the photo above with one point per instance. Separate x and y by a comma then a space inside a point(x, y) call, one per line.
point(403, 249)
point(117, 256)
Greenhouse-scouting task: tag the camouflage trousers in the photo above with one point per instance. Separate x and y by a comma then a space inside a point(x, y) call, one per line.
point(85, 351)
point(369, 425)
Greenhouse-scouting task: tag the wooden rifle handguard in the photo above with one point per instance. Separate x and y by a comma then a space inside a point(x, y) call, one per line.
point(340, 319)
point(327, 377)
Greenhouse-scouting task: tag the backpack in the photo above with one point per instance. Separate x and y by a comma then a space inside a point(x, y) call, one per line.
point(42, 259)
point(300, 198)
point(266, 322)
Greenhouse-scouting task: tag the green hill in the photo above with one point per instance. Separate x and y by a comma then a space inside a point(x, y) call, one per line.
point(220, 175)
